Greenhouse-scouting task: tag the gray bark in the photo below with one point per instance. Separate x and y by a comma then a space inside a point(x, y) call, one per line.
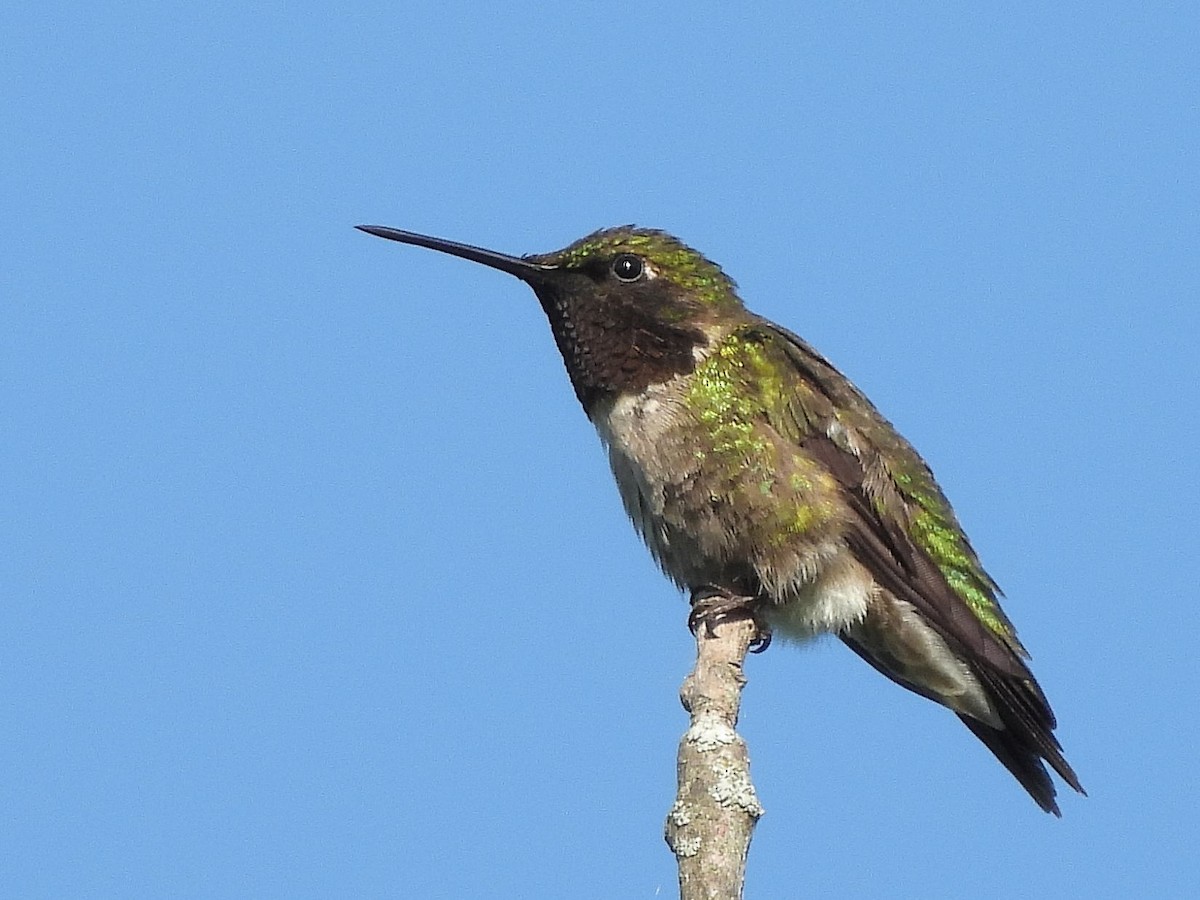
point(715, 810)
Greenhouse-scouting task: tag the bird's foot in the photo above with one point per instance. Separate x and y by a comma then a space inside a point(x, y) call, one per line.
point(712, 605)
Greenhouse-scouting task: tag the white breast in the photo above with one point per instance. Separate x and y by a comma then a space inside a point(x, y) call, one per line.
point(642, 435)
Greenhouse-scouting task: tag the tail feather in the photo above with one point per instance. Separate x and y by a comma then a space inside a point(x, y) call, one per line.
point(1025, 766)
point(1027, 737)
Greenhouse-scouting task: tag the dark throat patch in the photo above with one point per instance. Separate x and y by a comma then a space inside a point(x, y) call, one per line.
point(615, 343)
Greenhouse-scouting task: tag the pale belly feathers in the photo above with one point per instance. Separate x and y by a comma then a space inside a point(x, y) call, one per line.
point(814, 586)
point(698, 538)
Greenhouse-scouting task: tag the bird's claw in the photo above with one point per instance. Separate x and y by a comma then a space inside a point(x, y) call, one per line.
point(712, 605)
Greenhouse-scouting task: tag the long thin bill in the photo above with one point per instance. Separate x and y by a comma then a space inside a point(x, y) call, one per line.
point(513, 265)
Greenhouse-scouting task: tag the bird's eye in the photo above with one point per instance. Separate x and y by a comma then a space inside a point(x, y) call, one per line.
point(627, 267)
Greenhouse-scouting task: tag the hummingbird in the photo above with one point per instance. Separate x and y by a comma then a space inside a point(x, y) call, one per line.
point(765, 484)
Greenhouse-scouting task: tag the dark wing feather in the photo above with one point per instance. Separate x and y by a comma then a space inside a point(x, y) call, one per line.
point(881, 542)
point(907, 571)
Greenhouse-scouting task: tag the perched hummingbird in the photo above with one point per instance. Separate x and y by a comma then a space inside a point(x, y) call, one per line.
point(766, 484)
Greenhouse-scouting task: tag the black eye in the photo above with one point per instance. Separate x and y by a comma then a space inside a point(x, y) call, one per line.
point(627, 267)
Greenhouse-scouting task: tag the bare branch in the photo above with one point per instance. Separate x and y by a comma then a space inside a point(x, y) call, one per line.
point(715, 810)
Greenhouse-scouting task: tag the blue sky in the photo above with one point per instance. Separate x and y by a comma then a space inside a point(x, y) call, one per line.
point(314, 583)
